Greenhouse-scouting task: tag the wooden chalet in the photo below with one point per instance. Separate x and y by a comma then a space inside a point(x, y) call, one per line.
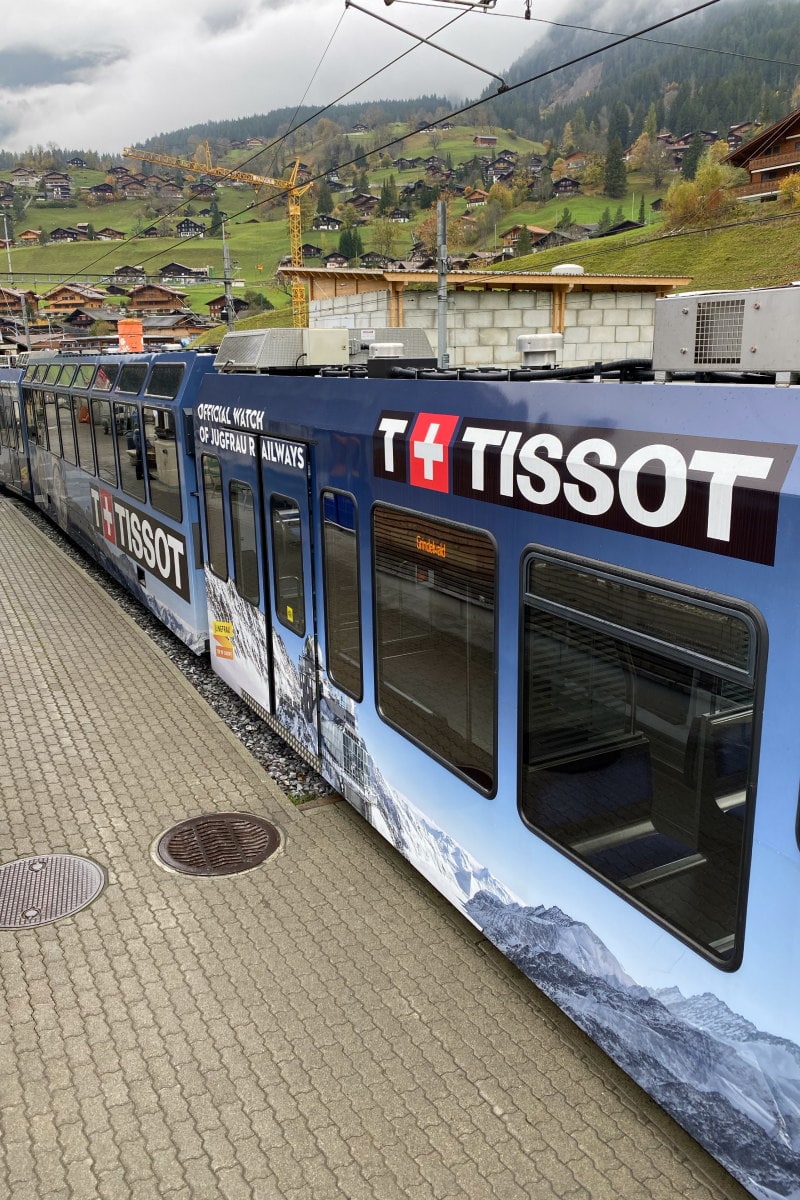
point(129, 274)
point(155, 298)
point(768, 157)
point(56, 185)
point(189, 228)
point(69, 234)
point(84, 318)
point(510, 237)
point(77, 162)
point(100, 191)
point(475, 198)
point(107, 234)
point(309, 250)
point(68, 296)
point(567, 185)
point(25, 177)
point(29, 237)
point(484, 139)
point(217, 307)
point(176, 272)
point(326, 223)
point(11, 301)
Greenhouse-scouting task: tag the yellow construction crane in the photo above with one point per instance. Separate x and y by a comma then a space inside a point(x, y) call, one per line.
point(201, 165)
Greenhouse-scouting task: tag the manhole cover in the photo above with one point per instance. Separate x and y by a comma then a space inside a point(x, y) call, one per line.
point(36, 891)
point(220, 844)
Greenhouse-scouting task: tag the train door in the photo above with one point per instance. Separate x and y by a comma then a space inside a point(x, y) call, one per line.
point(285, 486)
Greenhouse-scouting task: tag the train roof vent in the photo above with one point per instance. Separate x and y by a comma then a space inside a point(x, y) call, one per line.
point(259, 349)
point(750, 330)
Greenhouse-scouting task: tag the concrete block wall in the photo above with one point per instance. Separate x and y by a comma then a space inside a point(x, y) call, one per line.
point(483, 326)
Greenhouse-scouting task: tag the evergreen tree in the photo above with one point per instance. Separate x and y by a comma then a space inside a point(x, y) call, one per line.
point(324, 198)
point(524, 243)
point(615, 181)
point(619, 216)
point(619, 125)
point(565, 220)
point(641, 210)
point(604, 224)
point(692, 156)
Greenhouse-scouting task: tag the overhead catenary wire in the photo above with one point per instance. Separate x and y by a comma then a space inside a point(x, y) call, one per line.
point(621, 40)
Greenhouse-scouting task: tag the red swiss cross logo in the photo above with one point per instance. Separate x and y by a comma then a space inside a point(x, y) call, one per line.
point(107, 513)
point(429, 465)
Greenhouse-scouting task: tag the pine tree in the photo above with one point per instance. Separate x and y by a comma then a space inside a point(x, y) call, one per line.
point(524, 242)
point(641, 210)
point(615, 181)
point(692, 156)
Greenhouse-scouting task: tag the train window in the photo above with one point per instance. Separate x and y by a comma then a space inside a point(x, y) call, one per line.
point(31, 371)
point(131, 378)
point(106, 377)
point(28, 396)
point(162, 461)
point(245, 552)
point(83, 375)
point(51, 416)
point(83, 434)
point(165, 380)
point(66, 429)
point(637, 733)
point(67, 375)
point(215, 516)
point(287, 561)
point(52, 373)
point(131, 449)
point(101, 423)
point(342, 599)
point(41, 420)
point(435, 638)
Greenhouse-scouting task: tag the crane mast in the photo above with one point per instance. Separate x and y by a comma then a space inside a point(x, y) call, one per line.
point(203, 166)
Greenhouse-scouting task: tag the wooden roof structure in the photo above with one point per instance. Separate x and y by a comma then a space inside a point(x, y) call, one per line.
point(327, 283)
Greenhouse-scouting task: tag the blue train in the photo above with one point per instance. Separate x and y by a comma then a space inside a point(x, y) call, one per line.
point(541, 632)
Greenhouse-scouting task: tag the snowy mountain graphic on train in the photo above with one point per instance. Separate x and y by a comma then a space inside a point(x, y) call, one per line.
point(717, 1074)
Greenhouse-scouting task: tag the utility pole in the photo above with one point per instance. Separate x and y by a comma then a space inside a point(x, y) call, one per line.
point(443, 358)
point(226, 266)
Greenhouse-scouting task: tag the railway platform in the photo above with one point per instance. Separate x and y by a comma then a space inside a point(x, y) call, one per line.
point(321, 1027)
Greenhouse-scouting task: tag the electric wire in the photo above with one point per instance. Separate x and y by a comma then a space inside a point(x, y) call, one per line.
point(495, 15)
point(621, 40)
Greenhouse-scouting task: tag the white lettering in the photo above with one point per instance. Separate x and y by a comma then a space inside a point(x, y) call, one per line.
point(162, 553)
point(724, 470)
point(480, 439)
point(149, 553)
point(589, 474)
point(178, 551)
point(390, 427)
point(540, 468)
point(674, 485)
point(136, 535)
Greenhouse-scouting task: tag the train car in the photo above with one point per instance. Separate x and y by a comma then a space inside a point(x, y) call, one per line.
point(103, 444)
point(543, 636)
point(15, 474)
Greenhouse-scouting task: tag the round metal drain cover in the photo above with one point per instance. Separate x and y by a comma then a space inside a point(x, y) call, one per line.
point(36, 891)
point(220, 844)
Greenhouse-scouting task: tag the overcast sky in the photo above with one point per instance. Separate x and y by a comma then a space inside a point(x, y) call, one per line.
point(102, 75)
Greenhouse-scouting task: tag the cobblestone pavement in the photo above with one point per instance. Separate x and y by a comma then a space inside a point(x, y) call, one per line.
point(324, 1026)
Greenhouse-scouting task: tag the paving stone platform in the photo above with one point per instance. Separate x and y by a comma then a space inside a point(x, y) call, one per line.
point(322, 1027)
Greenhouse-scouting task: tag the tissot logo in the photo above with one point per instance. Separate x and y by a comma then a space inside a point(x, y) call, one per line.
point(428, 449)
point(713, 494)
